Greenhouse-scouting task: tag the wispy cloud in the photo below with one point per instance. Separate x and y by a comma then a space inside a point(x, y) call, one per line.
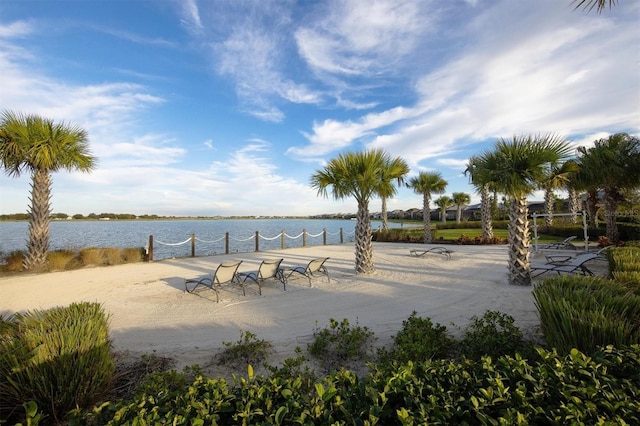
point(16, 29)
point(190, 17)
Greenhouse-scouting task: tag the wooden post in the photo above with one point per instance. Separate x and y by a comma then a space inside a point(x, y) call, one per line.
point(257, 241)
point(226, 243)
point(304, 238)
point(324, 236)
point(341, 238)
point(150, 253)
point(282, 239)
point(193, 245)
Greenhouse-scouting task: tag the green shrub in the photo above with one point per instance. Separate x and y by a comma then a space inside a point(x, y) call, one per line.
point(571, 389)
point(494, 334)
point(587, 313)
point(418, 341)
point(339, 342)
point(624, 259)
point(246, 351)
point(60, 359)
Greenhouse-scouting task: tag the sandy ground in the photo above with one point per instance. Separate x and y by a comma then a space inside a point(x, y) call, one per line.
point(150, 312)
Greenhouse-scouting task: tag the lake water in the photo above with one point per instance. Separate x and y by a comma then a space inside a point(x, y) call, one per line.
point(172, 237)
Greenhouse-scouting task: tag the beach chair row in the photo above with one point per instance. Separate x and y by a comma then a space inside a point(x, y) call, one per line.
point(227, 273)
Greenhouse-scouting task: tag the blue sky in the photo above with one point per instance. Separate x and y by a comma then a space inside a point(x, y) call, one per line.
point(227, 107)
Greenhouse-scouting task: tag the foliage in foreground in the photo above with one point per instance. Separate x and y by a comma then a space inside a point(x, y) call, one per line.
point(557, 389)
point(59, 359)
point(588, 312)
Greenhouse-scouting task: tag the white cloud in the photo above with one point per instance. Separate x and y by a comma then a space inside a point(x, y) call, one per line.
point(16, 29)
point(190, 17)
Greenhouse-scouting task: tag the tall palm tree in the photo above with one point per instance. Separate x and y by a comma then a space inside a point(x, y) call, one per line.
point(482, 172)
point(427, 184)
point(556, 177)
point(443, 202)
point(40, 146)
point(522, 162)
point(358, 175)
point(460, 199)
point(611, 165)
point(395, 169)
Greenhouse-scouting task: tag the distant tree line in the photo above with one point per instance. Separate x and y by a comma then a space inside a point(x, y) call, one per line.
point(90, 216)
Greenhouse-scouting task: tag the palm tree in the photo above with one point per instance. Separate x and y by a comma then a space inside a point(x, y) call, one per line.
point(460, 199)
point(360, 175)
point(599, 5)
point(443, 203)
point(556, 177)
point(426, 184)
point(394, 169)
point(482, 172)
point(40, 146)
point(522, 162)
point(611, 165)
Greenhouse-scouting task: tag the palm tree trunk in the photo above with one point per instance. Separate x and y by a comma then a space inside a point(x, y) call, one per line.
point(611, 200)
point(519, 263)
point(592, 208)
point(574, 204)
point(385, 222)
point(426, 219)
point(548, 208)
point(443, 213)
point(458, 213)
point(364, 245)
point(39, 219)
point(485, 213)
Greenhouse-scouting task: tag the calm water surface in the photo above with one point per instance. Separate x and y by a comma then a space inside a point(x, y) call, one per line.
point(172, 237)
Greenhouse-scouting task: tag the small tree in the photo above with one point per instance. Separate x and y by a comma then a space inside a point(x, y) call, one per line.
point(427, 184)
point(460, 199)
point(443, 203)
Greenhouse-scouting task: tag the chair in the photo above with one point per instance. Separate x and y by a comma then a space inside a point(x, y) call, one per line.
point(561, 258)
point(436, 250)
point(559, 245)
point(267, 269)
point(226, 272)
point(312, 268)
point(572, 266)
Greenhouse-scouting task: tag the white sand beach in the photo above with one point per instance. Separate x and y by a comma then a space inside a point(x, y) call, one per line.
point(151, 312)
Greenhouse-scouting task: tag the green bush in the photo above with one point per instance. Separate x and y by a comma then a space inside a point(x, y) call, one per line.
point(339, 342)
point(494, 334)
point(60, 359)
point(587, 313)
point(246, 351)
point(571, 389)
point(418, 341)
point(59, 260)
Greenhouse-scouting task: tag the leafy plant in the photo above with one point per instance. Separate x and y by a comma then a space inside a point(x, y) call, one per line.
point(340, 342)
point(247, 350)
point(494, 334)
point(418, 341)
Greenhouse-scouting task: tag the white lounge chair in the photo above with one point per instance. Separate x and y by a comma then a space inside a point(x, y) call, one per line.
point(316, 266)
point(268, 269)
point(226, 272)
